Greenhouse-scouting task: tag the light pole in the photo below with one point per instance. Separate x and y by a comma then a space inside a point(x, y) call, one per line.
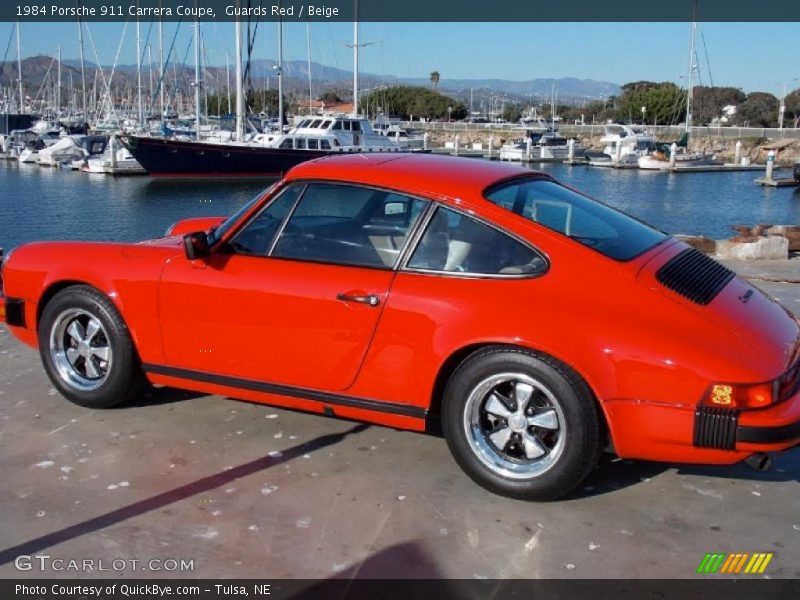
point(782, 107)
point(644, 111)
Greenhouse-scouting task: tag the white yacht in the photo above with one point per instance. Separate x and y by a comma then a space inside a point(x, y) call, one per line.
point(546, 144)
point(623, 145)
point(65, 150)
point(116, 159)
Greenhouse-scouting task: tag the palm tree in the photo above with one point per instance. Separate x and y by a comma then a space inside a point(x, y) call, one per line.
point(435, 79)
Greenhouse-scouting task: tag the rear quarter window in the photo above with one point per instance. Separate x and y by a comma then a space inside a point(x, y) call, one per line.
point(586, 221)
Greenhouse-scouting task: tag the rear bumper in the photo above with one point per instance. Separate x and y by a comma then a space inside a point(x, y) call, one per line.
point(769, 435)
point(686, 434)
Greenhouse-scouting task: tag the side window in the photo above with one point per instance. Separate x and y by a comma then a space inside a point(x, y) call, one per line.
point(324, 145)
point(287, 143)
point(312, 144)
point(257, 236)
point(349, 225)
point(456, 243)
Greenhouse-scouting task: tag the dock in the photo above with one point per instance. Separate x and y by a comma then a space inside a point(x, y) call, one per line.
point(784, 182)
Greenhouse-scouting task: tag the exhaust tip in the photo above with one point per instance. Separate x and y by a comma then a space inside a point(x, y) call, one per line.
point(759, 461)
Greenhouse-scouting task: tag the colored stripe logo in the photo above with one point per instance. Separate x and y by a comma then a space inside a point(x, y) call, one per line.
point(753, 563)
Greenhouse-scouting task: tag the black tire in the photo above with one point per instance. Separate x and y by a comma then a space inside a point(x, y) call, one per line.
point(575, 434)
point(120, 381)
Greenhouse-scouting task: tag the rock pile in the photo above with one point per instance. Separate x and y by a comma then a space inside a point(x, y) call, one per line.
point(762, 242)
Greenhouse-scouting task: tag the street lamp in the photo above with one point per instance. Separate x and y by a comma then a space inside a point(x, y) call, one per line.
point(644, 111)
point(782, 107)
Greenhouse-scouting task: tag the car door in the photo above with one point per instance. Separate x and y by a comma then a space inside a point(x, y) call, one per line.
point(295, 296)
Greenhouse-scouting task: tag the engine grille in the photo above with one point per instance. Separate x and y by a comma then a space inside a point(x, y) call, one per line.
point(695, 276)
point(715, 427)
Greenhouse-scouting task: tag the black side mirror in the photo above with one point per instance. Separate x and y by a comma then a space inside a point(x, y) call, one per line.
point(195, 245)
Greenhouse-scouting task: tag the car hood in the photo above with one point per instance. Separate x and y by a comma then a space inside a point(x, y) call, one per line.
point(712, 292)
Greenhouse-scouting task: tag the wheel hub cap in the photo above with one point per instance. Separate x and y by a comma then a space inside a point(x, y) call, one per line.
point(514, 425)
point(80, 349)
point(517, 423)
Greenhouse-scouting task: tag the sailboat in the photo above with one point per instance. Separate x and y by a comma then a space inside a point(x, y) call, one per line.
point(663, 159)
point(263, 154)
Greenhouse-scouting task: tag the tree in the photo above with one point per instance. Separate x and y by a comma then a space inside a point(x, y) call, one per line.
point(792, 103)
point(331, 97)
point(709, 101)
point(512, 113)
point(435, 79)
point(664, 103)
point(407, 100)
point(760, 109)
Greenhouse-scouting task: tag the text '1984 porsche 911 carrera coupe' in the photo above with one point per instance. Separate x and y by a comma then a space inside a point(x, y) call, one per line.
point(536, 325)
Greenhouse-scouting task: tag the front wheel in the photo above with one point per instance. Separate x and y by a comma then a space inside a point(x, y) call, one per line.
point(521, 423)
point(87, 350)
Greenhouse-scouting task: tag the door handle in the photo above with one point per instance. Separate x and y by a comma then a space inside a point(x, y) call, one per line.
point(370, 300)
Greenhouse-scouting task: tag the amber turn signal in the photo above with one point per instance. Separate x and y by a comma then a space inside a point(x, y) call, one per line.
point(739, 396)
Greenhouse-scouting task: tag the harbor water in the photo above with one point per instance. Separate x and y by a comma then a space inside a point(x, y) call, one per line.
point(38, 203)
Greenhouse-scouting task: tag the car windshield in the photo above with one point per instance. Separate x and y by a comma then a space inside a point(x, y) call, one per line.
point(593, 224)
point(217, 233)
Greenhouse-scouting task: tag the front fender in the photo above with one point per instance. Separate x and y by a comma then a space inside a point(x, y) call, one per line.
point(127, 274)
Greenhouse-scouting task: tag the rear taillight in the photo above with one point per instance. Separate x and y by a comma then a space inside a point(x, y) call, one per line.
point(738, 396)
point(759, 395)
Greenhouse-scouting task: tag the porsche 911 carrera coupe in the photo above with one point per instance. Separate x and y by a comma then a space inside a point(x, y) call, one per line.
point(537, 326)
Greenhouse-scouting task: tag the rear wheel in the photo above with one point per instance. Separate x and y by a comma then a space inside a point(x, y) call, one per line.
point(521, 424)
point(87, 350)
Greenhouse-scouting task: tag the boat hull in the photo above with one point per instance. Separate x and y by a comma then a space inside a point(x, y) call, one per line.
point(178, 158)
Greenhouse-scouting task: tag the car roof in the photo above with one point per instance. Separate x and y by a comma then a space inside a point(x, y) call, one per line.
point(445, 176)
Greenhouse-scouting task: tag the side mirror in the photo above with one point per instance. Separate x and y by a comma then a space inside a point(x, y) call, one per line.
point(195, 245)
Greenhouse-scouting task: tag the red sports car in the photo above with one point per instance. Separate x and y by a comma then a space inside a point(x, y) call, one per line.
point(537, 325)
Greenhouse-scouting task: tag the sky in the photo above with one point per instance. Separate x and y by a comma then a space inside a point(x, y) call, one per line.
point(752, 56)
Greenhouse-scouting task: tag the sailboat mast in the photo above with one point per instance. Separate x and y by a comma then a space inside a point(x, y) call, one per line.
point(197, 110)
point(280, 75)
point(308, 44)
point(690, 83)
point(83, 68)
point(19, 72)
point(58, 86)
point(228, 79)
point(355, 60)
point(240, 116)
point(161, 63)
point(140, 107)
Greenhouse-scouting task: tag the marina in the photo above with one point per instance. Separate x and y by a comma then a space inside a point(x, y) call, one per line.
point(41, 203)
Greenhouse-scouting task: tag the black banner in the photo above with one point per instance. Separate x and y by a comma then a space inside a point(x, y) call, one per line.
point(407, 589)
point(405, 10)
